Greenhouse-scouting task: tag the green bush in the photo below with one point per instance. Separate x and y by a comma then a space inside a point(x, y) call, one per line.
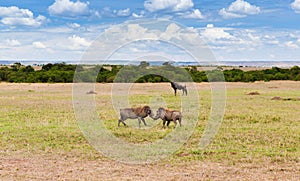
point(62, 72)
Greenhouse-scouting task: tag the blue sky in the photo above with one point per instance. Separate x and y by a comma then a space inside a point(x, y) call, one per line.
point(237, 30)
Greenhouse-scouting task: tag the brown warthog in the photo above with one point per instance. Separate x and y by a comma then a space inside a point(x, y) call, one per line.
point(135, 113)
point(168, 116)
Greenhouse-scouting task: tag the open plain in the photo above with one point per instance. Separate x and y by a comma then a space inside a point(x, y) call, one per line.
point(257, 140)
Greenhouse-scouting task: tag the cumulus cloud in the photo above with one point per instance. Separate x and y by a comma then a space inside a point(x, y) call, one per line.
point(172, 5)
point(213, 33)
point(38, 44)
point(67, 8)
point(108, 12)
point(122, 12)
point(14, 16)
point(194, 14)
point(140, 15)
point(179, 8)
point(78, 43)
point(14, 11)
point(73, 25)
point(296, 6)
point(173, 30)
point(117, 37)
point(226, 14)
point(12, 42)
point(239, 9)
point(291, 44)
point(230, 43)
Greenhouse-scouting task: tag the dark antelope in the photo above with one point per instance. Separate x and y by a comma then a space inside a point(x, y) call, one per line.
point(176, 86)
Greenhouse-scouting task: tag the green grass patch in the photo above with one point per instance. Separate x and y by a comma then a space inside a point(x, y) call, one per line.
point(254, 129)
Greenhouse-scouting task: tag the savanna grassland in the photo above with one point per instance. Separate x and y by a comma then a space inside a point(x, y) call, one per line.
point(259, 137)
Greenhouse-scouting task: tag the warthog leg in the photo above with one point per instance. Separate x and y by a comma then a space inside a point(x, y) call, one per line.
point(144, 121)
point(175, 122)
point(120, 120)
point(168, 122)
point(139, 120)
point(164, 123)
point(179, 120)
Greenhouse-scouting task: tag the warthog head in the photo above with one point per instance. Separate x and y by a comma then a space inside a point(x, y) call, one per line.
point(160, 113)
point(148, 111)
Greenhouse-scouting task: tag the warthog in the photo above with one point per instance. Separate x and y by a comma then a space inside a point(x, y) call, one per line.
point(176, 86)
point(168, 116)
point(135, 113)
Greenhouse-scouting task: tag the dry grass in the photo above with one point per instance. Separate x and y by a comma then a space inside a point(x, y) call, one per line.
point(258, 139)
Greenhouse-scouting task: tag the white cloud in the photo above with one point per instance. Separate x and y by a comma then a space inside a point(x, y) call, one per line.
point(12, 42)
point(296, 6)
point(141, 15)
point(291, 44)
point(14, 11)
point(179, 8)
point(210, 25)
point(135, 31)
point(73, 25)
point(194, 14)
point(122, 12)
point(239, 9)
point(243, 7)
point(251, 44)
point(154, 39)
point(14, 16)
point(213, 33)
point(78, 43)
point(270, 39)
point(226, 14)
point(38, 44)
point(67, 8)
point(11, 21)
point(65, 43)
point(172, 5)
point(108, 12)
point(173, 30)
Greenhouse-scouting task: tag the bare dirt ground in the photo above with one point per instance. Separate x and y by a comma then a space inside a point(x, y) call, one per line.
point(51, 166)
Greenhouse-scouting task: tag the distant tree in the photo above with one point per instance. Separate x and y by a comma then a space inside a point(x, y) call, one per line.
point(144, 64)
point(62, 72)
point(297, 78)
point(28, 68)
point(169, 63)
point(47, 66)
point(280, 76)
point(16, 66)
point(215, 76)
point(295, 72)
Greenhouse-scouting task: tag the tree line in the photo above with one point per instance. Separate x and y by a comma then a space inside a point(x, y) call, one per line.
point(67, 73)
